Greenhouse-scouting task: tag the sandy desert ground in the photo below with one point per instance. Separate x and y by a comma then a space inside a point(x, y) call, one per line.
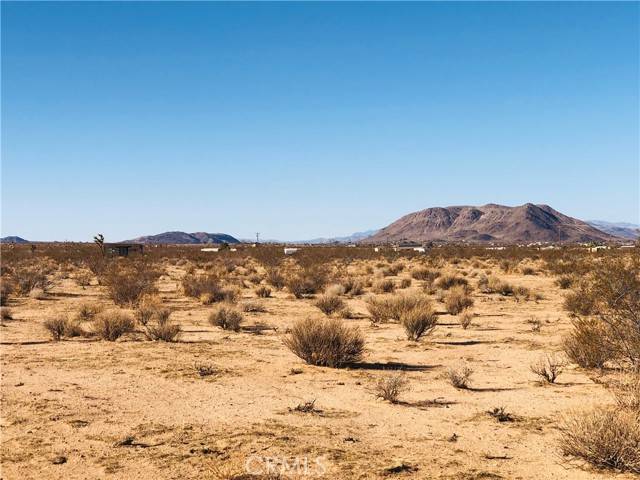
point(83, 408)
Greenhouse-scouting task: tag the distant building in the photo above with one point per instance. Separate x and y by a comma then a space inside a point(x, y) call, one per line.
point(123, 249)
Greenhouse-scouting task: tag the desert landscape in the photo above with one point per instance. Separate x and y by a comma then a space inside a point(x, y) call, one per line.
point(341, 362)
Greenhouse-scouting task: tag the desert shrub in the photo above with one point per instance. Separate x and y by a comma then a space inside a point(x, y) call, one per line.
point(6, 313)
point(384, 286)
point(38, 294)
point(353, 286)
point(405, 283)
point(263, 291)
point(88, 311)
point(457, 299)
point(226, 317)
point(55, 326)
point(606, 437)
point(147, 308)
point(329, 303)
point(495, 285)
point(161, 327)
point(6, 289)
point(459, 377)
point(425, 274)
point(579, 303)
point(306, 281)
point(73, 328)
point(335, 289)
point(548, 368)
point(612, 297)
point(528, 271)
point(465, 319)
point(127, 284)
point(564, 281)
point(382, 309)
point(253, 307)
point(208, 289)
point(418, 321)
point(627, 392)
point(587, 343)
point(389, 388)
point(325, 342)
point(112, 324)
point(83, 279)
point(449, 280)
point(522, 293)
point(500, 414)
point(275, 278)
point(27, 278)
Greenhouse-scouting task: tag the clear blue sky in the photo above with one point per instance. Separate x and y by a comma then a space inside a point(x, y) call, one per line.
point(300, 120)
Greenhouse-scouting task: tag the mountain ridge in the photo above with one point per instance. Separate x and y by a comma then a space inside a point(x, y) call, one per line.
point(526, 223)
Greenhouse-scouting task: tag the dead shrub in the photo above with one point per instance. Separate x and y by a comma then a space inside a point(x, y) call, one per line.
point(325, 342)
point(226, 317)
point(459, 377)
point(605, 437)
point(112, 324)
point(147, 308)
point(389, 388)
point(208, 289)
point(405, 283)
point(548, 368)
point(263, 291)
point(457, 299)
point(329, 303)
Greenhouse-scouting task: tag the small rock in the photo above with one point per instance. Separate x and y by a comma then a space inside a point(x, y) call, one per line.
point(59, 460)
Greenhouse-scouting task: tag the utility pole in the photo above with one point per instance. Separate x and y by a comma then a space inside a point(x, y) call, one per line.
point(257, 237)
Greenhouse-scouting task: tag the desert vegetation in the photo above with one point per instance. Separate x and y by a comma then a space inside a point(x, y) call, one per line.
point(463, 342)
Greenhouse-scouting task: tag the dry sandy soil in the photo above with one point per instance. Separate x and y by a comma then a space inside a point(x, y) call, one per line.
point(138, 409)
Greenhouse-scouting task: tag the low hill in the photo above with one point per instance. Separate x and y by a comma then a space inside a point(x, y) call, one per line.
point(527, 223)
point(13, 239)
point(186, 238)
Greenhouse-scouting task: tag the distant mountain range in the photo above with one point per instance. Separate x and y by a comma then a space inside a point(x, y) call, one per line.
point(527, 223)
point(629, 231)
point(186, 238)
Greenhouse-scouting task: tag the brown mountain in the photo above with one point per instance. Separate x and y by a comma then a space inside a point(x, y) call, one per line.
point(490, 223)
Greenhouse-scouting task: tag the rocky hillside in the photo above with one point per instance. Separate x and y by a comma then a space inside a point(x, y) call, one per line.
point(490, 223)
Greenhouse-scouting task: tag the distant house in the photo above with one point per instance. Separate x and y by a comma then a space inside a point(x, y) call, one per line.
point(122, 249)
point(290, 251)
